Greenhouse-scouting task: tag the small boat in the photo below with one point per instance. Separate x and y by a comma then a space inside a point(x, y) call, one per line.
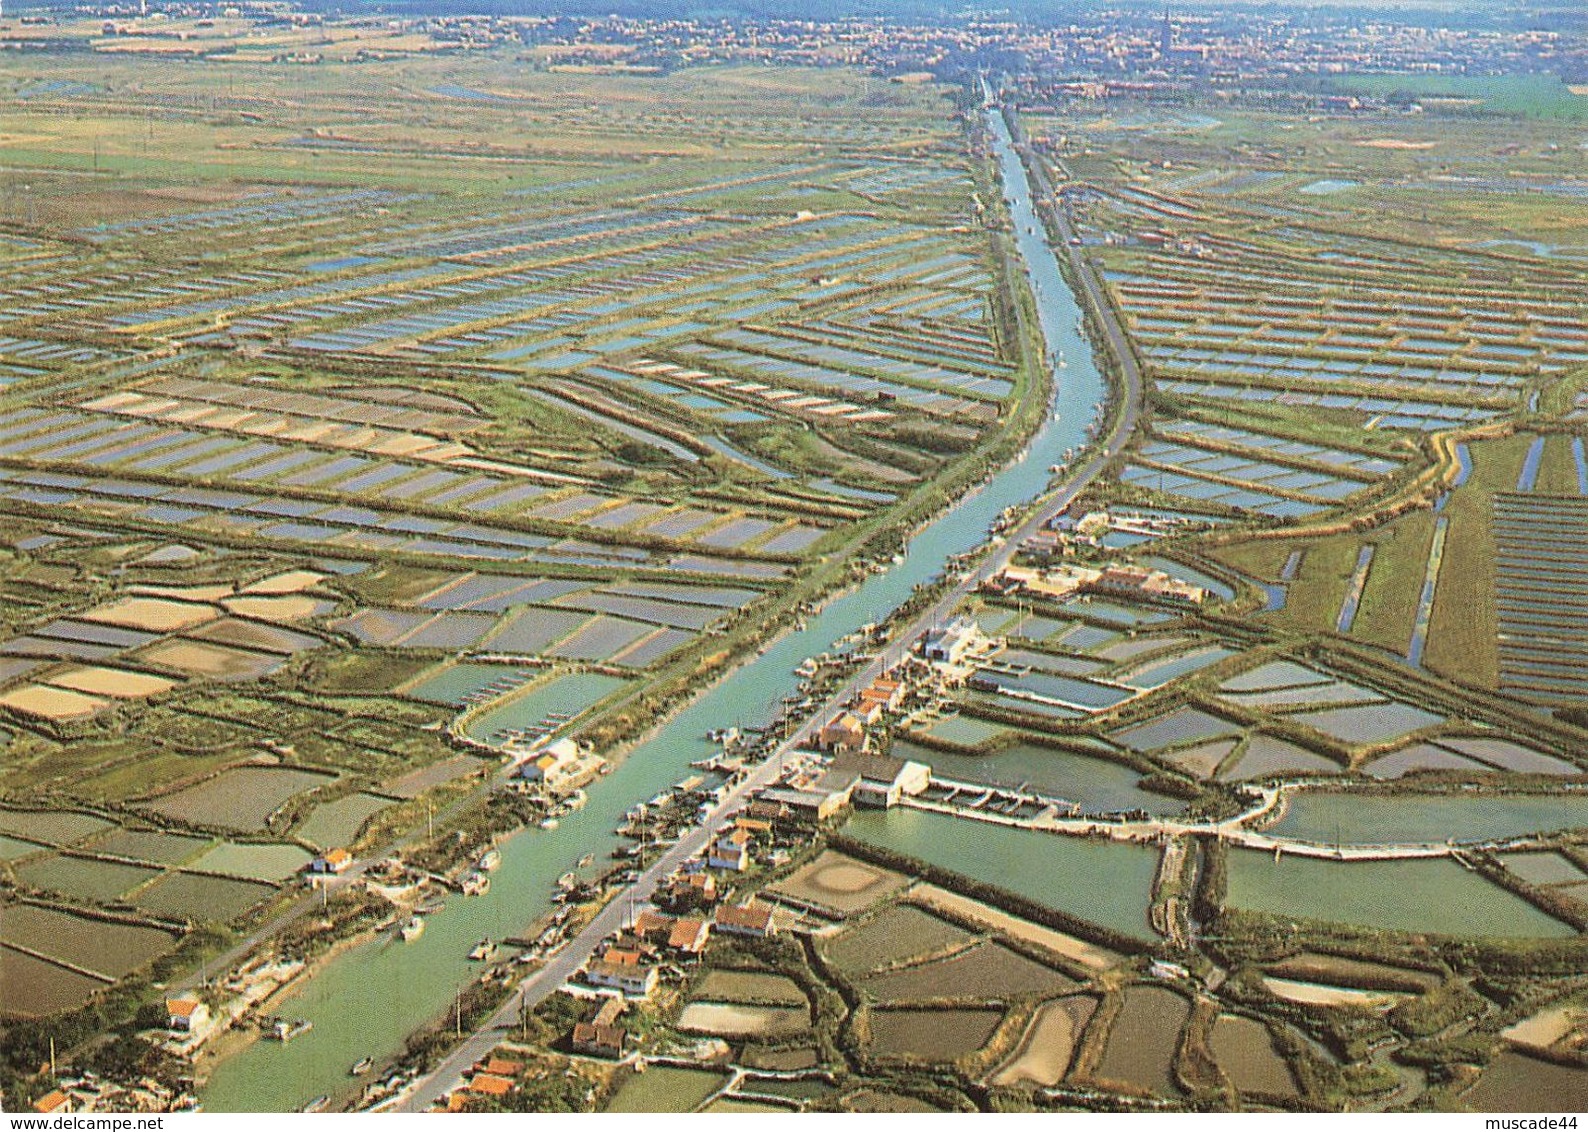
point(362, 1066)
point(587, 860)
point(283, 1031)
point(575, 801)
point(489, 862)
point(483, 951)
point(549, 823)
point(474, 884)
point(317, 1104)
point(412, 929)
point(567, 880)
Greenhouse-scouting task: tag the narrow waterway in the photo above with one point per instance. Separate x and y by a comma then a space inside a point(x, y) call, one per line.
point(369, 999)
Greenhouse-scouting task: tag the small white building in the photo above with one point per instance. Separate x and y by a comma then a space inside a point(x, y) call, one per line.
point(636, 980)
point(951, 643)
point(187, 1014)
point(561, 767)
point(333, 863)
point(883, 779)
point(731, 851)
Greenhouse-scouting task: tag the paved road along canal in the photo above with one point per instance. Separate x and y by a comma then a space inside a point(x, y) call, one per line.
point(369, 999)
point(1079, 390)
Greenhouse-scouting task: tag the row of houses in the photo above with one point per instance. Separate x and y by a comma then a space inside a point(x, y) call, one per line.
point(851, 778)
point(494, 1077)
point(88, 1093)
point(675, 934)
point(630, 964)
point(1115, 579)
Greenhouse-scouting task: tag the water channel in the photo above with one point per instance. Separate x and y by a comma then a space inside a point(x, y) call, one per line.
point(367, 1001)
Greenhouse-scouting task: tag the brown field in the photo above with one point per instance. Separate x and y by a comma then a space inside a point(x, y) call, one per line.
point(734, 1020)
point(116, 682)
point(293, 581)
point(1244, 1049)
point(242, 798)
point(751, 986)
point(1394, 143)
point(157, 615)
point(251, 635)
point(894, 935)
point(931, 1035)
point(1067, 946)
point(1143, 1040)
point(287, 607)
point(1310, 966)
point(1515, 1082)
point(58, 705)
point(214, 661)
point(1049, 1044)
point(841, 883)
point(1548, 1026)
point(202, 594)
point(110, 949)
point(35, 989)
point(987, 971)
point(202, 899)
point(1323, 994)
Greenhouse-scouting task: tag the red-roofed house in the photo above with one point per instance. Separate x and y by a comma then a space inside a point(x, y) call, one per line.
point(187, 1014)
point(490, 1085)
point(689, 935)
point(54, 1101)
point(596, 1040)
point(752, 919)
point(334, 861)
point(651, 924)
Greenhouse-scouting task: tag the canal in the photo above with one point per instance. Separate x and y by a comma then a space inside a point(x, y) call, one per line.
point(368, 1000)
